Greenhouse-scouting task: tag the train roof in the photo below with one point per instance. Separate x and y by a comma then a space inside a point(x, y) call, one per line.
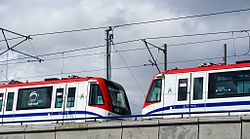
point(207, 68)
point(53, 81)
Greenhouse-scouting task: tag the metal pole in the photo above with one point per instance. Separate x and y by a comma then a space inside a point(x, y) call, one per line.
point(165, 57)
point(108, 52)
point(225, 54)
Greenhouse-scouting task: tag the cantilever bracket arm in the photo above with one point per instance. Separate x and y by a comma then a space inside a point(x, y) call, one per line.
point(150, 53)
point(154, 46)
point(248, 41)
point(11, 48)
point(14, 33)
point(35, 57)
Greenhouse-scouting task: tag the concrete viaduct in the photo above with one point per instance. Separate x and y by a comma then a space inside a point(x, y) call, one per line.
point(233, 127)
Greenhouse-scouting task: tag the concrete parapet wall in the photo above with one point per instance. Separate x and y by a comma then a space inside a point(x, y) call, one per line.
point(193, 128)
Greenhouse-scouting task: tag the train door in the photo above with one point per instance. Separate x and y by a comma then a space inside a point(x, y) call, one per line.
point(81, 99)
point(9, 105)
point(2, 95)
point(59, 96)
point(95, 99)
point(183, 96)
point(198, 87)
point(169, 95)
point(69, 108)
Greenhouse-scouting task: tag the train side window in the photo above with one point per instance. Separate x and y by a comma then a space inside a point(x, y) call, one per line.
point(1, 101)
point(10, 101)
point(59, 98)
point(198, 88)
point(95, 95)
point(229, 84)
point(71, 97)
point(182, 89)
point(154, 94)
point(246, 83)
point(34, 98)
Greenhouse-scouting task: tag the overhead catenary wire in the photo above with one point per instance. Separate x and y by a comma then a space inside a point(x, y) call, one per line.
point(183, 17)
point(132, 75)
point(135, 40)
point(180, 36)
point(125, 67)
point(171, 45)
point(136, 66)
point(125, 50)
point(146, 22)
point(206, 41)
point(248, 41)
point(138, 23)
point(33, 49)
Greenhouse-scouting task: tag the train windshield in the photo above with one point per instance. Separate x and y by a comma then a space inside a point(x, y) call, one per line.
point(118, 98)
point(154, 94)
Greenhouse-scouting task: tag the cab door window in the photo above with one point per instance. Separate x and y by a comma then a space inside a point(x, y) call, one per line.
point(95, 95)
point(71, 97)
point(59, 98)
point(1, 101)
point(10, 101)
point(182, 89)
point(198, 88)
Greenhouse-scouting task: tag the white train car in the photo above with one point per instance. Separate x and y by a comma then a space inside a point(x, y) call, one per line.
point(202, 91)
point(65, 99)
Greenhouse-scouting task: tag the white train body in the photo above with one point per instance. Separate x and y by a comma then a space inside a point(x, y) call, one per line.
point(212, 90)
point(66, 99)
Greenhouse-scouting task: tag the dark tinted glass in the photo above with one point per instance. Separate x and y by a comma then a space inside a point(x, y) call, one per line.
point(154, 94)
point(34, 98)
point(71, 97)
point(1, 101)
point(198, 88)
point(59, 98)
point(118, 98)
point(95, 96)
point(229, 84)
point(10, 101)
point(182, 89)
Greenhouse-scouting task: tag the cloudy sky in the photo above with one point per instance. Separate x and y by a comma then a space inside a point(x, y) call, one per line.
point(29, 17)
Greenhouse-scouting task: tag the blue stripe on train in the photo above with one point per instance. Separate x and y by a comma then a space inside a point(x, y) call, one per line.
point(201, 105)
point(49, 114)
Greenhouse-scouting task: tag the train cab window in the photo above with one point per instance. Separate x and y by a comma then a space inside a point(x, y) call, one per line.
point(182, 89)
point(118, 98)
point(229, 84)
point(198, 88)
point(71, 97)
point(154, 94)
point(10, 101)
point(95, 95)
point(34, 98)
point(59, 98)
point(1, 101)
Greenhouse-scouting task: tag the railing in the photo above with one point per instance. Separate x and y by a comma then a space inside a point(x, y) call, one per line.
point(127, 117)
